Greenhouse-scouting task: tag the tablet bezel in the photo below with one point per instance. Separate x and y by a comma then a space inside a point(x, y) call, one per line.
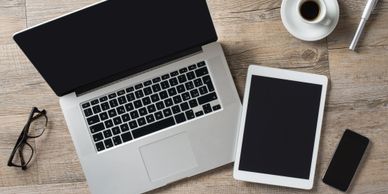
point(277, 179)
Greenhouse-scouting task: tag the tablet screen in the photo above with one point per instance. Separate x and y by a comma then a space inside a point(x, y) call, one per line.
point(280, 127)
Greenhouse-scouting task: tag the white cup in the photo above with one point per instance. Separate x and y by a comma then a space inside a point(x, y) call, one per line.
point(322, 17)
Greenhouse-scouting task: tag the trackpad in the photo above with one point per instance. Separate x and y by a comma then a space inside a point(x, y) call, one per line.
point(167, 157)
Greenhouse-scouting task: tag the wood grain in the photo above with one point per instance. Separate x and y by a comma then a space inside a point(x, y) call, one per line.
point(251, 32)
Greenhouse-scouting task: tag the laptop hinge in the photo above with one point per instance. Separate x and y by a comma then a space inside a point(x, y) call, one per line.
point(92, 86)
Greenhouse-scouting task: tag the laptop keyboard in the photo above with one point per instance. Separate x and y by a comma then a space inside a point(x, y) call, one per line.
point(150, 106)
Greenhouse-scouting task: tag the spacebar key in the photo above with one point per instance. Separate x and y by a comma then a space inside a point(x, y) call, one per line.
point(207, 98)
point(162, 124)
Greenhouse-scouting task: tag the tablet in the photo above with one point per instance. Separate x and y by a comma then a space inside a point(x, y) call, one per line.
point(280, 127)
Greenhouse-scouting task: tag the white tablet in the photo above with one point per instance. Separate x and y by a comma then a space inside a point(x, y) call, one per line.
point(280, 127)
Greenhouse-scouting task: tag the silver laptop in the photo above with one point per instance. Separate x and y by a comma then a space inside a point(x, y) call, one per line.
point(144, 87)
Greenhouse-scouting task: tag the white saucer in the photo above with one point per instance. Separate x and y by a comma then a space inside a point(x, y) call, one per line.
point(302, 30)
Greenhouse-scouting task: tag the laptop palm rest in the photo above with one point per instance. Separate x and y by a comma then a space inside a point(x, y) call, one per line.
point(167, 157)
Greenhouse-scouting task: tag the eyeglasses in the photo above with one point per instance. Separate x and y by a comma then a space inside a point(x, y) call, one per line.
point(23, 152)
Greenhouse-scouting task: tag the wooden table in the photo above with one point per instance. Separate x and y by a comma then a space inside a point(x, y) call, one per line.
point(251, 32)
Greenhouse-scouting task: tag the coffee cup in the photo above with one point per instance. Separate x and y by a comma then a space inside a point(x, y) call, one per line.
point(313, 12)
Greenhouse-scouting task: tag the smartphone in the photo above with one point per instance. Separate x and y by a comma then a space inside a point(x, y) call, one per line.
point(346, 160)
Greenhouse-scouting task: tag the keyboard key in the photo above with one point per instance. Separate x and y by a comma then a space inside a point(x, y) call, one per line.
point(121, 92)
point(159, 125)
point(182, 78)
point(113, 103)
point(147, 83)
point(156, 80)
point(164, 84)
point(167, 112)
point(191, 67)
point(184, 106)
point(201, 64)
point(96, 109)
point(186, 96)
point(202, 71)
point(183, 70)
point(146, 101)
point(163, 95)
point(158, 115)
point(207, 108)
point(156, 88)
point(116, 140)
point(125, 117)
point(155, 97)
point(143, 111)
point(177, 99)
point(120, 110)
point(159, 105)
point(138, 104)
point(126, 137)
point(141, 121)
point(86, 105)
point(130, 89)
point(151, 108)
point(194, 93)
point(93, 120)
point(88, 112)
point(124, 127)
point(138, 86)
point(108, 124)
point(107, 133)
point(206, 80)
point(199, 113)
point(117, 120)
point(130, 97)
point(105, 106)
point(207, 98)
point(176, 109)
point(103, 99)
point(173, 81)
point(198, 82)
point(166, 76)
point(97, 137)
point(122, 100)
point(150, 118)
point(103, 116)
point(172, 91)
point(132, 124)
point(129, 107)
point(189, 114)
point(189, 85)
point(139, 94)
point(113, 95)
point(168, 102)
point(216, 107)
point(175, 73)
point(181, 88)
point(116, 130)
point(134, 114)
point(190, 75)
point(96, 128)
point(180, 118)
point(193, 103)
point(203, 90)
point(108, 143)
point(112, 113)
point(94, 102)
point(147, 91)
point(100, 146)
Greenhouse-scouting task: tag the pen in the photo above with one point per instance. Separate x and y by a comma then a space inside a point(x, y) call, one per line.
point(370, 5)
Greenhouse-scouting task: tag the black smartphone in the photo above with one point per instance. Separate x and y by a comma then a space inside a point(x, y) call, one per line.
point(346, 159)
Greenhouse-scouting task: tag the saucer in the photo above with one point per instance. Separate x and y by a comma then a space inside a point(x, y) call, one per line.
point(302, 30)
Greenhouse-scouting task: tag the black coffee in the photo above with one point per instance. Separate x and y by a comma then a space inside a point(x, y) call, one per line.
point(309, 10)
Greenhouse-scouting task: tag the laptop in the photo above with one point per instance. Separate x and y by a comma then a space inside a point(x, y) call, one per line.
point(144, 87)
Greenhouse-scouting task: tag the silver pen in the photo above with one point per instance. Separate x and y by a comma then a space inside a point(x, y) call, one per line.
point(370, 5)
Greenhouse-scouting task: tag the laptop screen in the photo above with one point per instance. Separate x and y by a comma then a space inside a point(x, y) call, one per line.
point(114, 38)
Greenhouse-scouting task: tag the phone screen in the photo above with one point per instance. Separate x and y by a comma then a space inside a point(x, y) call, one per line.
point(346, 159)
